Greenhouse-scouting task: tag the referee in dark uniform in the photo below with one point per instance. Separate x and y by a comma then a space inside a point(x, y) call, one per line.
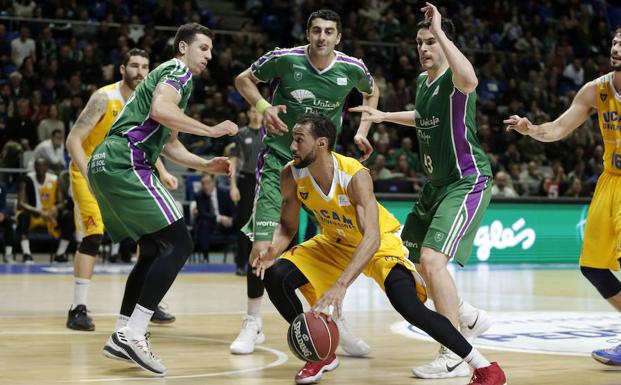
point(244, 155)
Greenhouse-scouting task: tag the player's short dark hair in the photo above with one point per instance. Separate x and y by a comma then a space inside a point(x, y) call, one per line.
point(320, 126)
point(187, 32)
point(447, 26)
point(617, 32)
point(326, 14)
point(134, 52)
point(57, 131)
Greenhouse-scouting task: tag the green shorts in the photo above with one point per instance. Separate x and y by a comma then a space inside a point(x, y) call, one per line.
point(446, 218)
point(132, 199)
point(267, 199)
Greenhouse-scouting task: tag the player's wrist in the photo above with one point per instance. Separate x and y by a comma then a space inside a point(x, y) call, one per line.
point(262, 105)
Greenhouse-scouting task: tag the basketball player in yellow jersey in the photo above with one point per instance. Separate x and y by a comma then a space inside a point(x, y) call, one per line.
point(601, 247)
point(89, 130)
point(358, 235)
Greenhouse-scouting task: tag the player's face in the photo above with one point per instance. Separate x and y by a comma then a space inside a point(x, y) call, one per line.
point(323, 37)
point(135, 71)
point(615, 53)
point(430, 53)
point(198, 53)
point(303, 147)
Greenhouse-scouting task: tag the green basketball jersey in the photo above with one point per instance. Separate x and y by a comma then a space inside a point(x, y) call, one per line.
point(297, 84)
point(446, 130)
point(134, 122)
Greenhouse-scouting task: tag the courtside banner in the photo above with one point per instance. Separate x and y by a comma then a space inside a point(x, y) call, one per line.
point(517, 232)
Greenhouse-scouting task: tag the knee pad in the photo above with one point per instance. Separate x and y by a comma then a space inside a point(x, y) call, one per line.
point(90, 245)
point(604, 281)
point(174, 239)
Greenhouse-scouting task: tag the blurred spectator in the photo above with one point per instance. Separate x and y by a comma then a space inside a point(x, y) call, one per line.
point(6, 226)
point(502, 187)
point(20, 128)
point(214, 213)
point(405, 149)
point(514, 178)
point(574, 190)
point(22, 47)
point(50, 124)
point(53, 151)
point(531, 179)
point(381, 134)
point(379, 170)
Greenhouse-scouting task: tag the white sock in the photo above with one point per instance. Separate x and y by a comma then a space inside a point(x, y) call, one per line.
point(114, 250)
point(80, 291)
point(25, 246)
point(139, 320)
point(62, 247)
point(8, 251)
point(121, 322)
point(254, 306)
point(476, 359)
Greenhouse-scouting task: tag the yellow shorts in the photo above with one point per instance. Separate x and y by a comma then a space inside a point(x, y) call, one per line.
point(322, 261)
point(86, 213)
point(601, 247)
point(37, 222)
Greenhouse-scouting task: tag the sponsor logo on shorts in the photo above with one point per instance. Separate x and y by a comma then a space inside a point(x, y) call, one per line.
point(90, 222)
point(438, 237)
point(267, 224)
point(411, 245)
point(567, 333)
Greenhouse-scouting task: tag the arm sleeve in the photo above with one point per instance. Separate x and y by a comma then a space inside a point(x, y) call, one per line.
point(267, 66)
point(175, 76)
point(361, 76)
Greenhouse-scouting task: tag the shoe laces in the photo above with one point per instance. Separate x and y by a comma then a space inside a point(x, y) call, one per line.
point(250, 325)
point(163, 306)
point(145, 345)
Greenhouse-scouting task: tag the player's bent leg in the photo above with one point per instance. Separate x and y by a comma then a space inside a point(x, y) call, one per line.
point(251, 332)
point(606, 284)
point(401, 289)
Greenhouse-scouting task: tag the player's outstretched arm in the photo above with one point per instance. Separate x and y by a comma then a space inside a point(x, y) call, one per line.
point(581, 107)
point(246, 85)
point(288, 226)
point(360, 192)
point(88, 119)
point(176, 151)
point(464, 77)
point(165, 110)
point(405, 118)
point(360, 138)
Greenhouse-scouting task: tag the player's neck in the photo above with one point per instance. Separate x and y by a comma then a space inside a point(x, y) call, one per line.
point(254, 125)
point(433, 73)
point(126, 92)
point(616, 81)
point(322, 171)
point(320, 62)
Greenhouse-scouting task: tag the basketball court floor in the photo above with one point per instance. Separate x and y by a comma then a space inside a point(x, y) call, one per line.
point(548, 319)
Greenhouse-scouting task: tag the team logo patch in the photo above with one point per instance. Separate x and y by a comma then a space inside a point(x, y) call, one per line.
point(341, 81)
point(303, 195)
point(566, 333)
point(438, 237)
point(343, 200)
point(603, 96)
point(115, 113)
point(297, 75)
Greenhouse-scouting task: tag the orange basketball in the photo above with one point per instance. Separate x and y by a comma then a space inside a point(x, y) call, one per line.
point(313, 338)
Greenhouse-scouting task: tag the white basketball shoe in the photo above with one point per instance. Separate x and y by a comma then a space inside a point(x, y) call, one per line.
point(446, 365)
point(138, 348)
point(352, 345)
point(251, 334)
point(473, 324)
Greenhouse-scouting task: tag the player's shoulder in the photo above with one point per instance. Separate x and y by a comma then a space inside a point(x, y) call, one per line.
point(173, 66)
point(348, 165)
point(350, 61)
point(286, 53)
point(604, 79)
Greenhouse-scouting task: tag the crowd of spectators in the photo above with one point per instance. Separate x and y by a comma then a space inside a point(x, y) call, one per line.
point(530, 57)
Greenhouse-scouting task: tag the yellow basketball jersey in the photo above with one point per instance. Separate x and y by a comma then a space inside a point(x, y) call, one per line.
point(609, 117)
point(334, 212)
point(115, 105)
point(46, 191)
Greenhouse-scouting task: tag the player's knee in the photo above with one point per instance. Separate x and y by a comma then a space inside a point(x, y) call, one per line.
point(90, 245)
point(603, 280)
point(432, 261)
point(276, 275)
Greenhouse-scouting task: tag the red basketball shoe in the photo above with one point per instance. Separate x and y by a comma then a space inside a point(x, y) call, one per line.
point(312, 371)
point(489, 375)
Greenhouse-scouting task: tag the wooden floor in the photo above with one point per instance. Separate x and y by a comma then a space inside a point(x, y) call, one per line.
point(36, 348)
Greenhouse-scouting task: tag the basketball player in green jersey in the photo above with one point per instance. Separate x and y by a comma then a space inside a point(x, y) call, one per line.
point(447, 215)
point(311, 78)
point(131, 197)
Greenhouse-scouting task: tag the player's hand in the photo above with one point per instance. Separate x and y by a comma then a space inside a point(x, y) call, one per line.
point(333, 297)
point(364, 145)
point(223, 128)
point(272, 122)
point(235, 195)
point(170, 181)
point(264, 261)
point(519, 124)
point(372, 114)
point(218, 165)
point(432, 14)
